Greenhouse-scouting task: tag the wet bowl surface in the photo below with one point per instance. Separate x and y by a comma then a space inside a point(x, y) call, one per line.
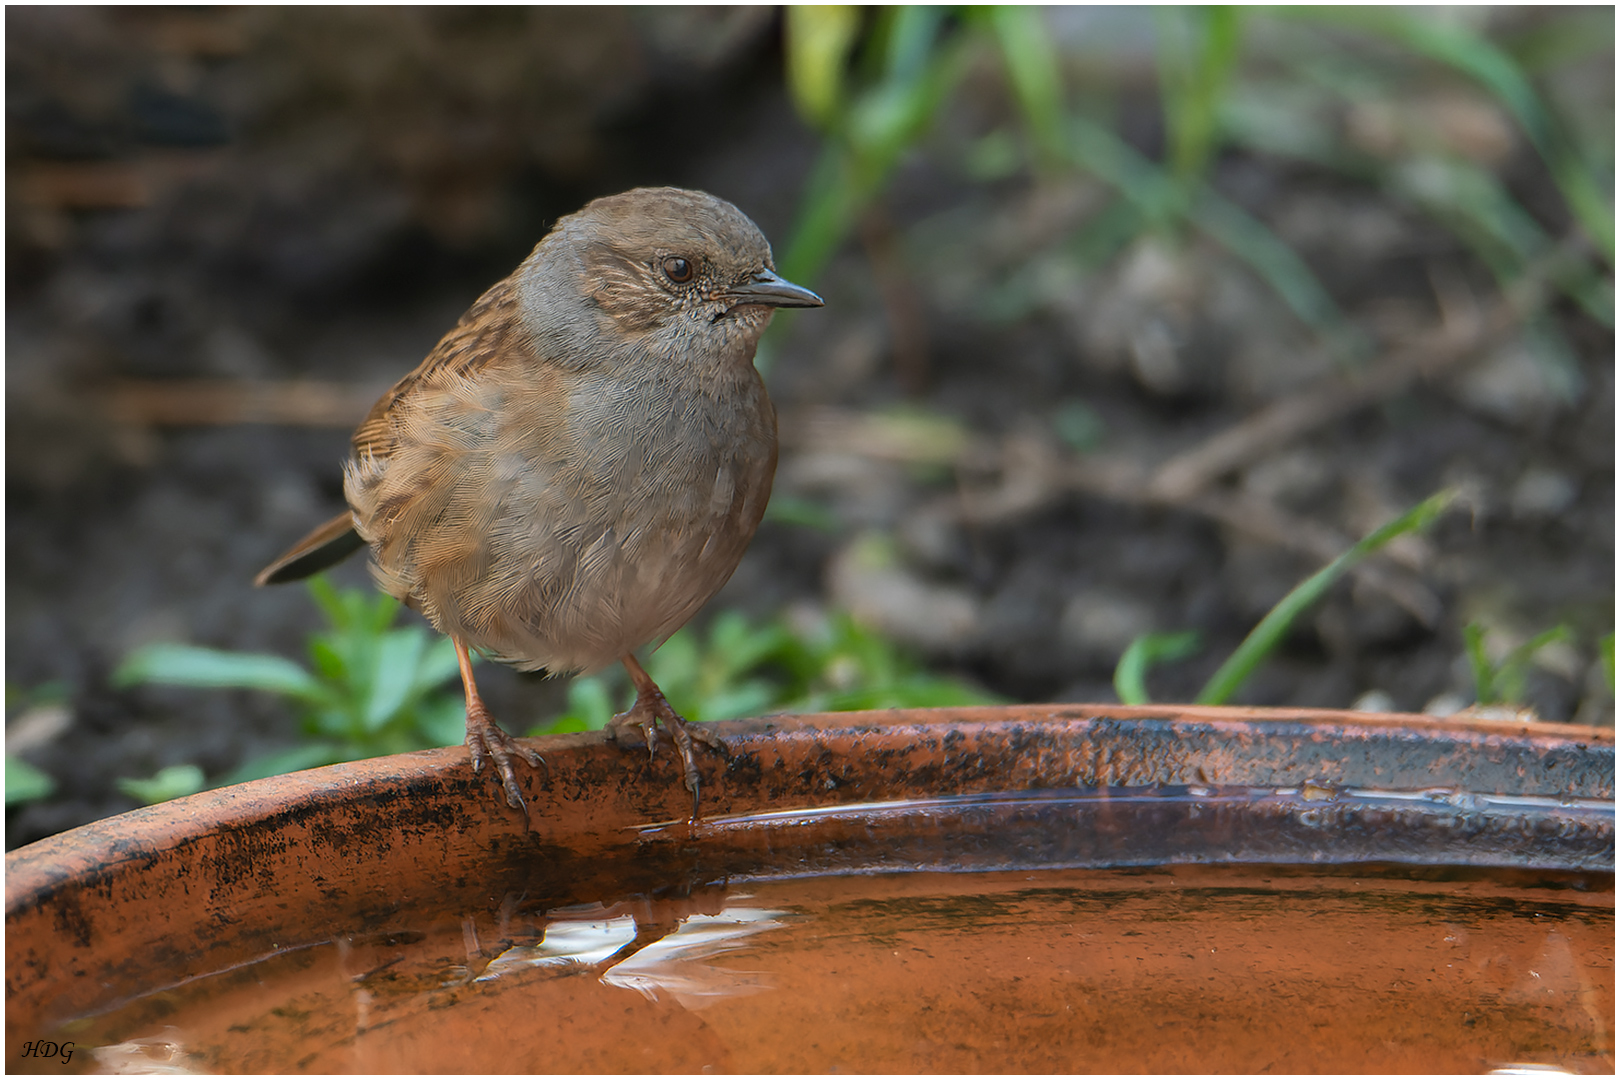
point(1062, 888)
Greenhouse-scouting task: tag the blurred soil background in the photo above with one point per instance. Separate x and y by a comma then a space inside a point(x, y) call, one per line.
point(229, 229)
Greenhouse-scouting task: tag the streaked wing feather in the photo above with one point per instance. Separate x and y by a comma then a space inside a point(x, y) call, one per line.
point(482, 334)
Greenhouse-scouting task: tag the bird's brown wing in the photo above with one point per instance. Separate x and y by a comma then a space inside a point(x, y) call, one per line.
point(483, 333)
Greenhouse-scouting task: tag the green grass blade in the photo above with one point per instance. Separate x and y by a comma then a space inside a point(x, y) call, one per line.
point(1130, 676)
point(1480, 664)
point(1115, 162)
point(1564, 42)
point(1194, 82)
point(1449, 43)
point(817, 41)
point(909, 46)
point(1279, 267)
point(1606, 650)
point(1514, 670)
point(1031, 64)
point(1263, 639)
point(1108, 157)
point(826, 215)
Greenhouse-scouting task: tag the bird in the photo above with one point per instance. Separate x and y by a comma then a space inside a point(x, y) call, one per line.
point(580, 463)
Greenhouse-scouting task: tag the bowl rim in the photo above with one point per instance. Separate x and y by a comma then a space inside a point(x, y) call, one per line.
point(46, 863)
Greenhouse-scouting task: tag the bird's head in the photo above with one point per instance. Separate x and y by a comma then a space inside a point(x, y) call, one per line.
point(660, 268)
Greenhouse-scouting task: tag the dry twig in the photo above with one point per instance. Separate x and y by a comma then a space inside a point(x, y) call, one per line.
point(207, 402)
point(1461, 335)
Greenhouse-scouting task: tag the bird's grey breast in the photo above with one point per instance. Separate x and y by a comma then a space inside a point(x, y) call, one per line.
point(663, 445)
point(634, 505)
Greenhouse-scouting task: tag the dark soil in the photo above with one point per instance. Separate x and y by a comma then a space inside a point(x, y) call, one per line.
point(316, 194)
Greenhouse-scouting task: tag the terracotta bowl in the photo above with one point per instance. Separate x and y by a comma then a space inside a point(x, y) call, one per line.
point(106, 912)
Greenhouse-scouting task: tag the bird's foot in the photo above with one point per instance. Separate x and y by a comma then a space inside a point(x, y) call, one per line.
point(634, 729)
point(638, 723)
point(486, 741)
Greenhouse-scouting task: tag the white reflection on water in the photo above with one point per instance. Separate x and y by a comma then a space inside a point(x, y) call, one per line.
point(154, 1055)
point(673, 963)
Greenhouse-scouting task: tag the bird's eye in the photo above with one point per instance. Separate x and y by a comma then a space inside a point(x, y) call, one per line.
point(678, 270)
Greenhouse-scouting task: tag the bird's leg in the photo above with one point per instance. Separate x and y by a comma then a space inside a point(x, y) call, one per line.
point(485, 739)
point(650, 707)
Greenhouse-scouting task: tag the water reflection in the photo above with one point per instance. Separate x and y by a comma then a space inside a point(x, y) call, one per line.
point(154, 1055)
point(1173, 969)
point(658, 948)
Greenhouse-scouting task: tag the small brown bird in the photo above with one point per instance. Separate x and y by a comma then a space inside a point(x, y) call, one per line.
point(580, 463)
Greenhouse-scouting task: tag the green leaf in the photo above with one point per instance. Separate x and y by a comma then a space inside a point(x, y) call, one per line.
point(743, 699)
point(168, 783)
point(914, 692)
point(326, 596)
point(675, 663)
point(190, 665)
point(739, 671)
point(1263, 639)
point(793, 510)
point(740, 646)
point(995, 157)
point(330, 664)
point(1130, 676)
point(24, 783)
point(563, 725)
point(1515, 667)
point(832, 198)
point(381, 612)
point(1606, 650)
point(1551, 44)
point(393, 675)
point(308, 756)
point(871, 131)
point(336, 721)
point(439, 664)
point(590, 707)
point(441, 720)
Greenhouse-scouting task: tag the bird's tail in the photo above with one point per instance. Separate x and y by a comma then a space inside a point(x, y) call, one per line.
point(327, 546)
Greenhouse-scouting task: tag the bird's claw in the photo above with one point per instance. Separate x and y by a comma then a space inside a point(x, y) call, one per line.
point(640, 722)
point(486, 742)
point(705, 735)
point(634, 729)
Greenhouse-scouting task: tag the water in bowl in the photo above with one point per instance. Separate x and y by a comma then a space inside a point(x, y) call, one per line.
point(1168, 969)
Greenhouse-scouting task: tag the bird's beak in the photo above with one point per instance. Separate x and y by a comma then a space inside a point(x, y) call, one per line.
point(767, 288)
